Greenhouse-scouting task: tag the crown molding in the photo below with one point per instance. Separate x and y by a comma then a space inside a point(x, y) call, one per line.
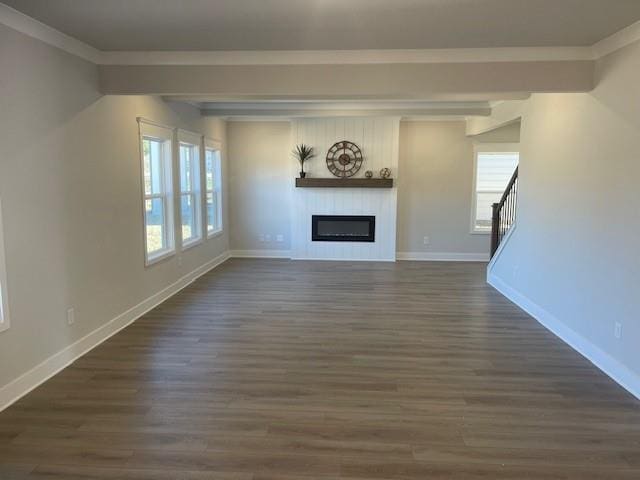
point(618, 40)
point(36, 29)
point(33, 28)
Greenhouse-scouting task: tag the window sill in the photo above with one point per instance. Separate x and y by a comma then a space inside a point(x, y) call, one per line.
point(157, 258)
point(191, 243)
point(215, 234)
point(480, 232)
point(4, 325)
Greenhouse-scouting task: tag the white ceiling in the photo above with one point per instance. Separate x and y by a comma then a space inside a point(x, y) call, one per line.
point(174, 25)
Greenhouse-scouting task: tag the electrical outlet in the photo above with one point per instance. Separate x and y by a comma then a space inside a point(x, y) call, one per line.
point(179, 260)
point(617, 330)
point(280, 238)
point(71, 316)
point(267, 237)
point(426, 240)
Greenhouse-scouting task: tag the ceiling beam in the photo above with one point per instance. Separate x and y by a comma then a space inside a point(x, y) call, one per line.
point(504, 113)
point(491, 80)
point(346, 109)
point(350, 57)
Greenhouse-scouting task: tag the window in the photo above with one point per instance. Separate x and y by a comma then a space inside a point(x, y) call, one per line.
point(156, 148)
point(213, 188)
point(4, 300)
point(190, 200)
point(494, 166)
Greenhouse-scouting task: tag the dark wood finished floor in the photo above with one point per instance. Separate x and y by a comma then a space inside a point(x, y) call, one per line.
point(271, 369)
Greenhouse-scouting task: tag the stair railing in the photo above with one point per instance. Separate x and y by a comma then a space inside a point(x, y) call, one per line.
point(504, 213)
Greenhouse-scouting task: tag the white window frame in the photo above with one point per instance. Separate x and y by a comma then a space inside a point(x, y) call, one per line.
point(4, 298)
point(477, 150)
point(194, 141)
point(213, 146)
point(164, 134)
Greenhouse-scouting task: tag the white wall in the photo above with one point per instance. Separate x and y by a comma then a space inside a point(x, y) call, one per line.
point(509, 133)
point(260, 185)
point(434, 178)
point(377, 137)
point(71, 197)
point(574, 258)
point(435, 191)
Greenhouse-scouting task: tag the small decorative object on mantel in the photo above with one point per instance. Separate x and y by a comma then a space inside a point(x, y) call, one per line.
point(385, 173)
point(344, 159)
point(368, 174)
point(303, 154)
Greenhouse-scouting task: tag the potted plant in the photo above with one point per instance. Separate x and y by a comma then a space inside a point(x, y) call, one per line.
point(303, 153)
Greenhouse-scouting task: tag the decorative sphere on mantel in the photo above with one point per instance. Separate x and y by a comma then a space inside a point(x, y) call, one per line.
point(385, 173)
point(368, 174)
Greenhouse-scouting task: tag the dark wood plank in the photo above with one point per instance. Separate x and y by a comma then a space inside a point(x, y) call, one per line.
point(328, 182)
point(273, 369)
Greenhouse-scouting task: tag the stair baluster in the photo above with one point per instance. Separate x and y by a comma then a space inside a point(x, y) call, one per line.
point(504, 213)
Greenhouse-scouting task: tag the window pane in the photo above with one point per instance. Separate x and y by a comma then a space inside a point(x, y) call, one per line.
point(218, 205)
point(152, 154)
point(186, 158)
point(210, 162)
point(1, 301)
point(213, 183)
point(1, 304)
point(188, 210)
point(4, 312)
point(484, 209)
point(211, 213)
point(156, 232)
point(494, 170)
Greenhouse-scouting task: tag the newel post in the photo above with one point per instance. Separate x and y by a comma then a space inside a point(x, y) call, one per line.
point(495, 227)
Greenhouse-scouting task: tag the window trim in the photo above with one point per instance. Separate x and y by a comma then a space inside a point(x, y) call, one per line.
point(186, 138)
point(164, 133)
point(479, 148)
point(213, 145)
point(5, 317)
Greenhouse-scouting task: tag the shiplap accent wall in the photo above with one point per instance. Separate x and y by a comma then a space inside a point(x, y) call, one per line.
point(378, 138)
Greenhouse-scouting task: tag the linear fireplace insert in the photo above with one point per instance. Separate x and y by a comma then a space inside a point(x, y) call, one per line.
point(343, 228)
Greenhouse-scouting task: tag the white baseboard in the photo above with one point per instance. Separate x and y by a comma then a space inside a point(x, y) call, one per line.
point(443, 257)
point(288, 255)
point(329, 259)
point(22, 385)
point(261, 253)
point(617, 371)
point(419, 256)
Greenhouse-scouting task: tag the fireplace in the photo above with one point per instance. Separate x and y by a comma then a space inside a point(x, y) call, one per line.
point(343, 228)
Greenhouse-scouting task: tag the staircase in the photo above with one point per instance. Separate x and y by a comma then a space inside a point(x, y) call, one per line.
point(504, 213)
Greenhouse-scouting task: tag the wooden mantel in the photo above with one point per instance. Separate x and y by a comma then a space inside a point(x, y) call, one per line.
point(344, 182)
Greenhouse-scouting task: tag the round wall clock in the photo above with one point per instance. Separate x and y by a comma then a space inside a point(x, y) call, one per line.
point(344, 159)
